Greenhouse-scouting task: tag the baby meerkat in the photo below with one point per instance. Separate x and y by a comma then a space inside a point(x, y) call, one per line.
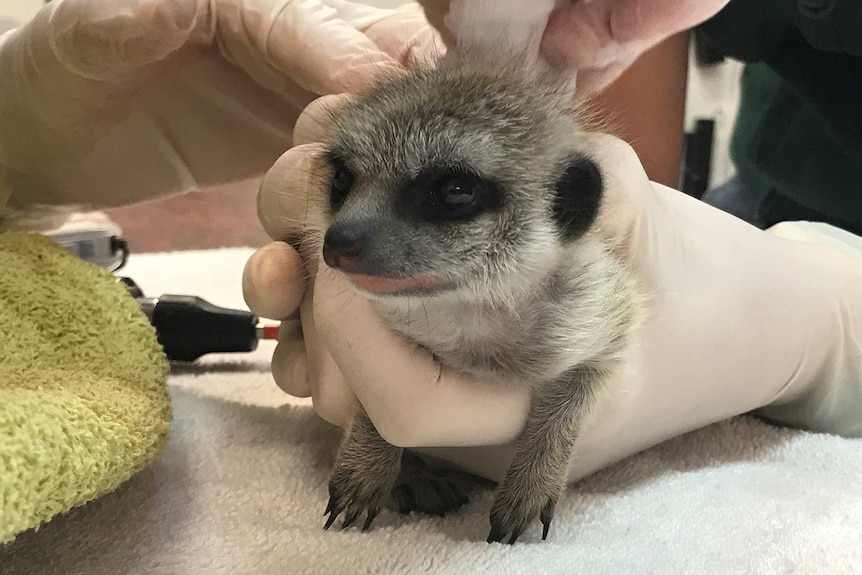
point(462, 204)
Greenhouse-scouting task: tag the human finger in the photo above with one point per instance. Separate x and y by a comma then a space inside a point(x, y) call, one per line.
point(273, 281)
point(291, 194)
point(289, 365)
point(284, 45)
point(316, 119)
point(596, 34)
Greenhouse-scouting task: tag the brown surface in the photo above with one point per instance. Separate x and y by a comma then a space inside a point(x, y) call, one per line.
point(220, 217)
point(646, 108)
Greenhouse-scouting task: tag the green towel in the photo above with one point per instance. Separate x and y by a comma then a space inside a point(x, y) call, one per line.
point(83, 396)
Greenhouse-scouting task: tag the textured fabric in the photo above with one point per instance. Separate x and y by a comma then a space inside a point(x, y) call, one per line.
point(784, 144)
point(83, 396)
point(241, 489)
point(799, 128)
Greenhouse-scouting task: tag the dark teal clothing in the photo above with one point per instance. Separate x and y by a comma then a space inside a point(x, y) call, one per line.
point(799, 129)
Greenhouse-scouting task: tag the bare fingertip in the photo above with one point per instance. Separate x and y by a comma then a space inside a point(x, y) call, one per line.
point(316, 119)
point(289, 193)
point(274, 281)
point(290, 367)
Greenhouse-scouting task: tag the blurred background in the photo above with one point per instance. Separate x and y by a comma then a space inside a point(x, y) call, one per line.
point(226, 216)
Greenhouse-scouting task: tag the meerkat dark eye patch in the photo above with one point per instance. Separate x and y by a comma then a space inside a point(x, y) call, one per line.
point(341, 182)
point(447, 194)
point(578, 197)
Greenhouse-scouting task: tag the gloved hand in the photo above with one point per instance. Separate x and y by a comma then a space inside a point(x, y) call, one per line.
point(598, 38)
point(110, 102)
point(738, 319)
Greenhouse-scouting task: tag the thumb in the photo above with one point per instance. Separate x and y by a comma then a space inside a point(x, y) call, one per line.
point(657, 19)
point(602, 32)
point(291, 196)
point(290, 199)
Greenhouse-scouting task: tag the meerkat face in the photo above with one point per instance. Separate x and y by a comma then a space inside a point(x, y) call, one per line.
point(452, 180)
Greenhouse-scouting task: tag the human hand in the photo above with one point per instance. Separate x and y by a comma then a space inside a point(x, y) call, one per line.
point(602, 38)
point(738, 319)
point(598, 38)
point(110, 102)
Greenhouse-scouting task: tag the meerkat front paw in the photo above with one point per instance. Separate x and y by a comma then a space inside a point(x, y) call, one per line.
point(366, 470)
point(360, 485)
point(517, 503)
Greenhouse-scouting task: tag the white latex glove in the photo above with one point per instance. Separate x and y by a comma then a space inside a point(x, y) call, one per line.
point(110, 102)
point(738, 319)
point(598, 38)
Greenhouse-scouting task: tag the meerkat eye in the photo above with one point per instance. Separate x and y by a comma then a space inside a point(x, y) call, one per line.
point(447, 194)
point(457, 196)
point(342, 182)
point(455, 193)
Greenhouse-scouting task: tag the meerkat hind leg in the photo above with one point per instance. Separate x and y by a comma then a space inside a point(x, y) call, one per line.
point(431, 489)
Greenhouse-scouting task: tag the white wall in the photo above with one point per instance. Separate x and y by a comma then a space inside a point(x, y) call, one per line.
point(713, 93)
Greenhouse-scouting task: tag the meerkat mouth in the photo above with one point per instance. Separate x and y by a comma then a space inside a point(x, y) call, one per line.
point(380, 285)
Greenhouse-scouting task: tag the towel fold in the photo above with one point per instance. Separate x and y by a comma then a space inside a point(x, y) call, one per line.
point(83, 395)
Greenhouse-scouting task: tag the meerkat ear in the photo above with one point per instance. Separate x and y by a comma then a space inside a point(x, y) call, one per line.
point(578, 196)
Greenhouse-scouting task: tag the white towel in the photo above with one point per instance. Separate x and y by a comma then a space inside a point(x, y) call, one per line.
point(241, 490)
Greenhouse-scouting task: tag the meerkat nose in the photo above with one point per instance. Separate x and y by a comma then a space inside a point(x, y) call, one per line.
point(344, 261)
point(342, 245)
